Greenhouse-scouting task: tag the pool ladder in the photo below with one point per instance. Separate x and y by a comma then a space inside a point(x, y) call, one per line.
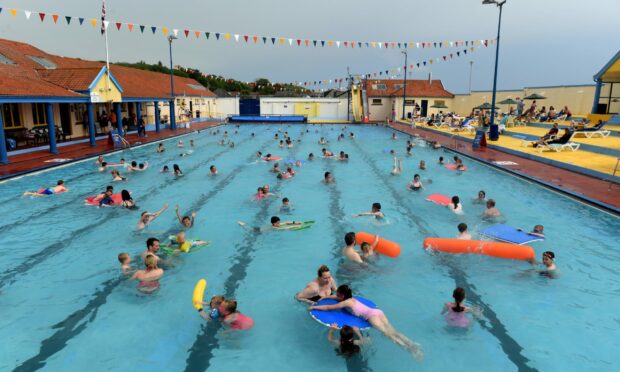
point(613, 176)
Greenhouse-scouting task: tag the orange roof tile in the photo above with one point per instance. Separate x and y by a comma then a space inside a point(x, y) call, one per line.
point(415, 88)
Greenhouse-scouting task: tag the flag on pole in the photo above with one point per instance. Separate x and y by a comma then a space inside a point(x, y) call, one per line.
point(103, 18)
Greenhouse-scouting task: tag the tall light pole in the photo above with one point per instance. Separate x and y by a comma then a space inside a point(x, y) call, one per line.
point(173, 119)
point(494, 132)
point(405, 85)
point(471, 67)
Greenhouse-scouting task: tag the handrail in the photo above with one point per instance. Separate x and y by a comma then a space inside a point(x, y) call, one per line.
point(613, 176)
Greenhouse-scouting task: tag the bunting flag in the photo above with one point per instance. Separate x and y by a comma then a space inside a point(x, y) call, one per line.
point(55, 18)
point(142, 27)
point(130, 26)
point(27, 13)
point(68, 19)
point(81, 21)
point(42, 16)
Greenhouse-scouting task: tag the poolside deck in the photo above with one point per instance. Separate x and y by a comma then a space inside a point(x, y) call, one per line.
point(589, 187)
point(42, 159)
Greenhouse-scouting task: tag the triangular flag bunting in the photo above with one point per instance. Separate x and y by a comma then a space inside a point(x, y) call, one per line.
point(346, 44)
point(130, 26)
point(14, 12)
point(164, 30)
point(93, 22)
point(55, 18)
point(41, 15)
point(81, 21)
point(393, 45)
point(298, 42)
point(197, 33)
point(254, 39)
point(307, 42)
point(186, 32)
point(118, 26)
point(0, 10)
point(314, 42)
point(207, 35)
point(458, 54)
point(227, 36)
point(68, 19)
point(246, 38)
point(322, 43)
point(264, 40)
point(105, 24)
point(217, 35)
point(273, 40)
point(290, 41)
point(153, 28)
point(399, 45)
point(338, 44)
point(236, 37)
point(175, 32)
point(142, 27)
point(27, 13)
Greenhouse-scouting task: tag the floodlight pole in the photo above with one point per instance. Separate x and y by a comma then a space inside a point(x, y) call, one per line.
point(494, 128)
point(405, 85)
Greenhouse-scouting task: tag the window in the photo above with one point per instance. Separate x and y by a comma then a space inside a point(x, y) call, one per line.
point(398, 86)
point(80, 113)
point(410, 102)
point(44, 62)
point(10, 116)
point(379, 87)
point(39, 116)
point(5, 61)
point(439, 103)
point(196, 87)
point(377, 102)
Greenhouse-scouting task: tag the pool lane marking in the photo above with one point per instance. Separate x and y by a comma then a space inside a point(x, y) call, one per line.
point(44, 212)
point(7, 277)
point(201, 352)
point(68, 329)
point(510, 346)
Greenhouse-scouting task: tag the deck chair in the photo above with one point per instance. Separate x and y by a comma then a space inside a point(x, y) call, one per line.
point(559, 147)
point(596, 130)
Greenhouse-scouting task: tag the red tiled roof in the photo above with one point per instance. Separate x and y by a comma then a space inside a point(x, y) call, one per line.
point(415, 88)
point(71, 75)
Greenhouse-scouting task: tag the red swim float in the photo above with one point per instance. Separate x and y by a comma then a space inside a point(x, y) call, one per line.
point(384, 246)
point(494, 249)
point(117, 198)
point(453, 167)
point(272, 158)
point(439, 199)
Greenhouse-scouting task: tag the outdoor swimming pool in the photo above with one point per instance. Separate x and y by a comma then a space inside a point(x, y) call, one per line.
point(65, 305)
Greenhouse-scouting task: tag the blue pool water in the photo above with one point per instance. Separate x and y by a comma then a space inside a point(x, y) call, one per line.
point(65, 306)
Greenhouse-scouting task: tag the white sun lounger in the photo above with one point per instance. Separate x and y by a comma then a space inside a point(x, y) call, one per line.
point(558, 147)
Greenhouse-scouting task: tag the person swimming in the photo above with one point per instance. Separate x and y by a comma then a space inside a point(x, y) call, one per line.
point(212, 170)
point(422, 165)
point(481, 199)
point(397, 167)
point(233, 318)
point(350, 340)
point(328, 178)
point(455, 311)
point(375, 211)
point(59, 188)
point(176, 170)
point(146, 218)
point(455, 205)
point(415, 184)
point(148, 278)
point(322, 286)
point(116, 176)
point(463, 234)
point(127, 200)
point(186, 221)
point(125, 261)
point(548, 260)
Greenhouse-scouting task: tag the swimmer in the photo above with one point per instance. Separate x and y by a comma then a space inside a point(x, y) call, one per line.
point(127, 200)
point(186, 221)
point(276, 224)
point(351, 135)
point(441, 162)
point(324, 285)
point(463, 233)
point(146, 218)
point(350, 340)
point(455, 311)
point(165, 169)
point(260, 194)
point(152, 247)
point(286, 205)
point(99, 197)
point(281, 145)
point(160, 148)
point(149, 278)
point(100, 160)
point(481, 199)
point(459, 165)
point(103, 167)
point(212, 171)
point(415, 184)
point(116, 176)
point(191, 143)
point(310, 156)
point(275, 168)
point(59, 188)
point(233, 318)
point(125, 261)
point(409, 148)
point(176, 170)
point(214, 308)
point(106, 200)
point(375, 210)
point(259, 154)
point(341, 156)
point(548, 260)
point(368, 250)
point(375, 317)
point(327, 153)
point(397, 168)
point(322, 141)
point(491, 211)
point(231, 144)
point(436, 145)
point(455, 205)
point(394, 136)
point(180, 144)
point(185, 154)
point(184, 245)
point(538, 230)
point(328, 178)
point(266, 191)
point(422, 165)
point(349, 251)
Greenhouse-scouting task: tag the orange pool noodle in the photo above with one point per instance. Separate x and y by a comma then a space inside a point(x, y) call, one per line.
point(495, 249)
point(384, 246)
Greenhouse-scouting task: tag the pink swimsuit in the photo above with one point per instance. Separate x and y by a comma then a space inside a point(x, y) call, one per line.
point(457, 319)
point(362, 311)
point(241, 322)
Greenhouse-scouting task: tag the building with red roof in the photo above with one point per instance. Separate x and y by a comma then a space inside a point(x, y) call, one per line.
point(45, 98)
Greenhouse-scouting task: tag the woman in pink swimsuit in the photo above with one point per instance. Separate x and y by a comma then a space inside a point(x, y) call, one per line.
point(375, 317)
point(455, 311)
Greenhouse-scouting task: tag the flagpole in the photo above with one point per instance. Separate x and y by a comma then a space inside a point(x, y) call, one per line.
point(107, 52)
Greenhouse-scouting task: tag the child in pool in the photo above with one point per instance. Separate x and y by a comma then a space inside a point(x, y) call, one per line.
point(455, 311)
point(350, 340)
point(233, 318)
point(455, 205)
point(214, 311)
point(60, 187)
point(125, 261)
point(463, 233)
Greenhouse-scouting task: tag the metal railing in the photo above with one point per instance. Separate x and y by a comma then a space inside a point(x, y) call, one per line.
point(613, 176)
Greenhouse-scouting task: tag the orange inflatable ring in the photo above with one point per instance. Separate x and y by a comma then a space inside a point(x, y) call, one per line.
point(384, 246)
point(494, 249)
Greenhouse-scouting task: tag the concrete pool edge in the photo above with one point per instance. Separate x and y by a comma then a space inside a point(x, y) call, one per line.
point(591, 201)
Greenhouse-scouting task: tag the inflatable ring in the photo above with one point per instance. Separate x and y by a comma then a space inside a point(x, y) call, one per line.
point(341, 317)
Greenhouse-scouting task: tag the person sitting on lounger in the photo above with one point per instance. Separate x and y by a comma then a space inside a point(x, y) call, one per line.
point(595, 128)
point(551, 133)
point(562, 140)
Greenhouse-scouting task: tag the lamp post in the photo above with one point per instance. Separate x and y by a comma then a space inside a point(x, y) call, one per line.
point(405, 84)
point(173, 119)
point(494, 129)
point(471, 67)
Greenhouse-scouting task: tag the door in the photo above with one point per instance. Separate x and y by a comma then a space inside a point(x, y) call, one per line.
point(424, 108)
point(191, 108)
point(249, 107)
point(65, 118)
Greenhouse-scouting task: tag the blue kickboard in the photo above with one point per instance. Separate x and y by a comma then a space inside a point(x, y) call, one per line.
point(341, 316)
point(509, 234)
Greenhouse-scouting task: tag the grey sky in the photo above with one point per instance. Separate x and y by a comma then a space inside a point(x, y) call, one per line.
point(544, 42)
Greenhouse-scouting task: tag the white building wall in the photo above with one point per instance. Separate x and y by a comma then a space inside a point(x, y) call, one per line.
point(326, 108)
point(224, 106)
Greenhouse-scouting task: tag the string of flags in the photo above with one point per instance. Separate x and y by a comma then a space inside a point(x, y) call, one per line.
point(242, 39)
point(389, 73)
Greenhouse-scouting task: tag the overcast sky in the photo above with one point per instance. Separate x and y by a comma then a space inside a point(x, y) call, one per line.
point(544, 42)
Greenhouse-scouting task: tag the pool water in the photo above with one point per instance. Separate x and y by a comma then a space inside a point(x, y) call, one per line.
point(65, 305)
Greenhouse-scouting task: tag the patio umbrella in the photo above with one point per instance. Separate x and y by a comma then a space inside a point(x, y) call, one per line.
point(484, 106)
point(508, 101)
point(535, 96)
point(441, 105)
